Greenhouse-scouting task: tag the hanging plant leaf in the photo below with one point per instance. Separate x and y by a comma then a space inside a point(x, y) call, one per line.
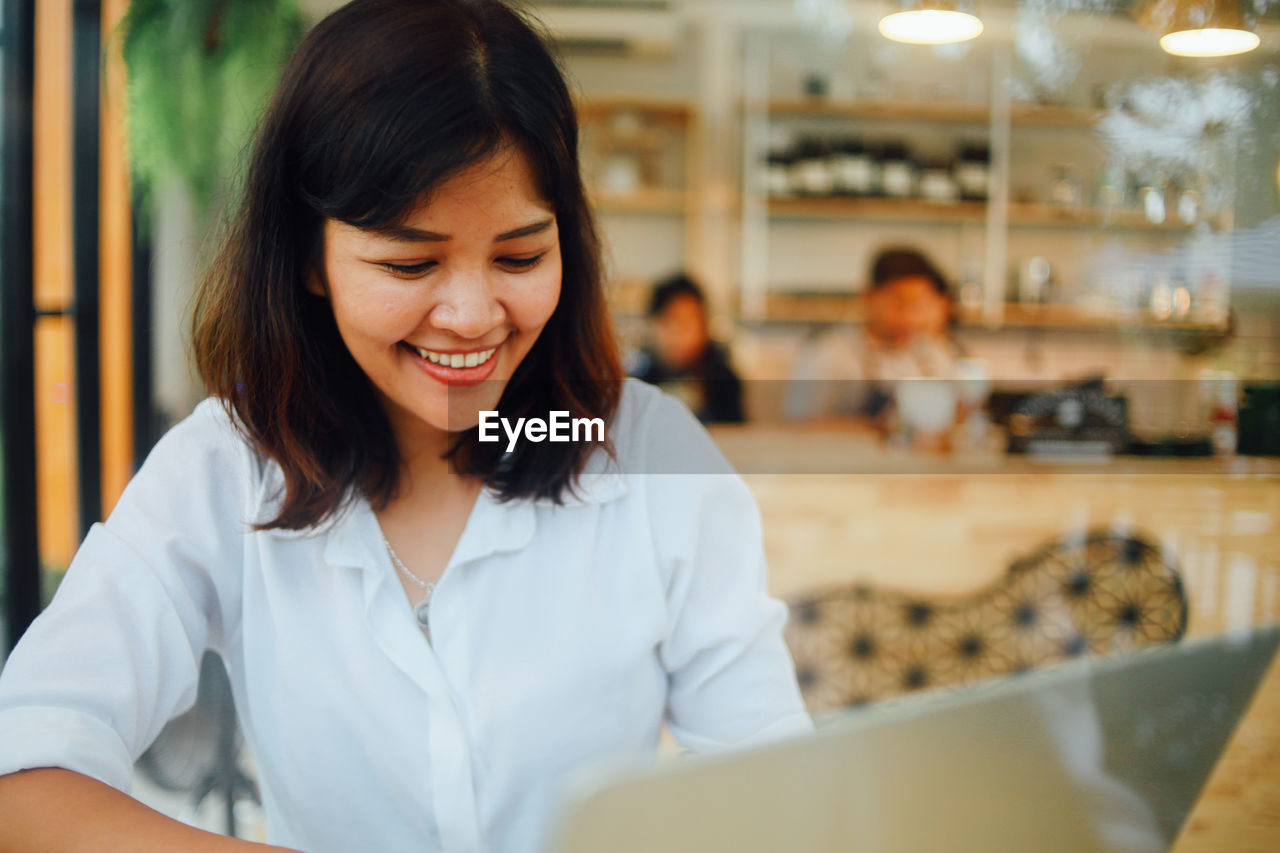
point(199, 74)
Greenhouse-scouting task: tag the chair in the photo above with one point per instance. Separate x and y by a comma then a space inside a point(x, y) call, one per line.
point(1097, 593)
point(201, 752)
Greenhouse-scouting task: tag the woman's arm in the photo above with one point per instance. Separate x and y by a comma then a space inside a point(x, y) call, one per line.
point(116, 654)
point(731, 679)
point(54, 809)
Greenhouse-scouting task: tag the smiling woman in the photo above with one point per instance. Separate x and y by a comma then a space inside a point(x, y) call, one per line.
point(412, 227)
point(426, 633)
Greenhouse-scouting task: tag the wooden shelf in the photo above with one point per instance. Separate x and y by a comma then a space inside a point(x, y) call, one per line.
point(1061, 316)
point(1035, 213)
point(640, 139)
point(883, 209)
point(812, 308)
point(822, 308)
point(652, 200)
point(597, 107)
point(918, 210)
point(953, 112)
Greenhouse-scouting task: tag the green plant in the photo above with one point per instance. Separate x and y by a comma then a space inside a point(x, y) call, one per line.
point(198, 75)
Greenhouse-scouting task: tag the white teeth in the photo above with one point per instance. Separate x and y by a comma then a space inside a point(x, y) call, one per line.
point(470, 359)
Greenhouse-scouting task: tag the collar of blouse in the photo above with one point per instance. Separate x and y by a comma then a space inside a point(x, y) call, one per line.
point(352, 536)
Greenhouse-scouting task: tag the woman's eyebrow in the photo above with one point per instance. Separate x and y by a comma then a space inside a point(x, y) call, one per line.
point(534, 228)
point(407, 234)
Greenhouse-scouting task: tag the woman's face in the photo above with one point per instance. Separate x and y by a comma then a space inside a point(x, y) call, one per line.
point(905, 309)
point(440, 311)
point(680, 332)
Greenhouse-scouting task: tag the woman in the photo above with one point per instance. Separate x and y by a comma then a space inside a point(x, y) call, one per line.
point(848, 373)
point(682, 359)
point(425, 632)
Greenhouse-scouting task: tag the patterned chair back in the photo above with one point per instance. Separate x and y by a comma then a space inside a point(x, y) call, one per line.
point(1092, 594)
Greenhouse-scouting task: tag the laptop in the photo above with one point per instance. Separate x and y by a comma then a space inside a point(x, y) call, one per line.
point(1092, 755)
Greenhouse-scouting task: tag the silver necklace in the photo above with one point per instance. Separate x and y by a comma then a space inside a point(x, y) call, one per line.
point(421, 611)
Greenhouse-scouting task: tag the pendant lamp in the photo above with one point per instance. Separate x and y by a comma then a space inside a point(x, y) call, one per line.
point(931, 22)
point(1203, 27)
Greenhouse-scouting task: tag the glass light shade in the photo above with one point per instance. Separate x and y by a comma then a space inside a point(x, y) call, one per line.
point(1211, 41)
point(930, 26)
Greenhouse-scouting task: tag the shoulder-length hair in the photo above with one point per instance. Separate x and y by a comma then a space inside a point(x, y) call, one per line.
point(382, 102)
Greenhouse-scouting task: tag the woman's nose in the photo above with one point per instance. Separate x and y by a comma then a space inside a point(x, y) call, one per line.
point(466, 305)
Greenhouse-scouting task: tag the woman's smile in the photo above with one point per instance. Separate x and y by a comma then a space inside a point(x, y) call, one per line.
point(455, 367)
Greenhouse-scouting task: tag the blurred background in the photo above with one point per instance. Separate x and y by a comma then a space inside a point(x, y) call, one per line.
point(950, 291)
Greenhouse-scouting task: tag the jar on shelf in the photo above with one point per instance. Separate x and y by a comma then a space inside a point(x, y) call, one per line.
point(1152, 197)
point(811, 168)
point(1186, 201)
point(777, 173)
point(937, 181)
point(973, 170)
point(855, 169)
point(1110, 194)
point(898, 172)
point(1067, 192)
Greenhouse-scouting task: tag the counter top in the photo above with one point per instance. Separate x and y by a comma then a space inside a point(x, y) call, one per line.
point(785, 449)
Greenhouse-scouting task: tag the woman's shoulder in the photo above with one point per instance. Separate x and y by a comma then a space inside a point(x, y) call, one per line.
point(210, 430)
point(205, 450)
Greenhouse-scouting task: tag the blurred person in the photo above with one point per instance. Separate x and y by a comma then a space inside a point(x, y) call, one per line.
point(425, 632)
point(682, 358)
point(849, 372)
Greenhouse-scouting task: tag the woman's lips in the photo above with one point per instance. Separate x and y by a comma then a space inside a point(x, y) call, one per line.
point(449, 375)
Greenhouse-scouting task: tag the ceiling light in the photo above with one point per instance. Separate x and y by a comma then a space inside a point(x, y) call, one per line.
point(1203, 27)
point(1209, 41)
point(931, 22)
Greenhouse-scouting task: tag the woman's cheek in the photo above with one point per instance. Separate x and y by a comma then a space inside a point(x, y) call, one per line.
point(541, 307)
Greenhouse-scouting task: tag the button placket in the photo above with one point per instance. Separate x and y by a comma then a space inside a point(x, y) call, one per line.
point(398, 634)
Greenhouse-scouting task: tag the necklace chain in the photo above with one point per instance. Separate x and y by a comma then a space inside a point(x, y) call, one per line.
point(395, 558)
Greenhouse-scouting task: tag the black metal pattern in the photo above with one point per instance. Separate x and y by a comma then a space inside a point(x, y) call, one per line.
point(20, 561)
point(86, 57)
point(1092, 594)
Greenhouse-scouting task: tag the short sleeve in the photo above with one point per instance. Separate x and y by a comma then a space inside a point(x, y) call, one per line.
point(117, 652)
point(731, 679)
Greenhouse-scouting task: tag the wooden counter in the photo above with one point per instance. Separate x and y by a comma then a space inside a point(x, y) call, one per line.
point(953, 524)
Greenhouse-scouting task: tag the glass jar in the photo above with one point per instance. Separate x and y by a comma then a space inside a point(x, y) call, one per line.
point(973, 171)
point(855, 170)
point(811, 169)
point(938, 183)
point(777, 174)
point(898, 173)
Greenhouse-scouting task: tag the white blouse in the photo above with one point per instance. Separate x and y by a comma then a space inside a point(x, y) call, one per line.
point(560, 636)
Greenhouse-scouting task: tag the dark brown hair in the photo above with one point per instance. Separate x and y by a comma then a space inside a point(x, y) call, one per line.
point(674, 285)
point(382, 102)
point(890, 265)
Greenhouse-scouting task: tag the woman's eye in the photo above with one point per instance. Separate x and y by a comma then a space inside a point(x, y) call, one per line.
point(407, 269)
point(522, 263)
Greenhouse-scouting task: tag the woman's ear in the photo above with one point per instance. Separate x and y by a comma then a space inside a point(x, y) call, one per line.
point(316, 285)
